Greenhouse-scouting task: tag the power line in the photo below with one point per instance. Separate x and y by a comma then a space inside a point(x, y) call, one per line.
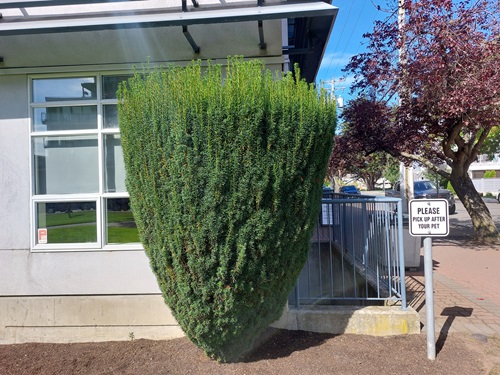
point(339, 39)
point(331, 65)
point(350, 36)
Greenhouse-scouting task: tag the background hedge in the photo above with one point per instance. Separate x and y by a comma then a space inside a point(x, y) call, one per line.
point(225, 170)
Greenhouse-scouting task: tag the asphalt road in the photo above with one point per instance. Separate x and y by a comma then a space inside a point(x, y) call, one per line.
point(461, 217)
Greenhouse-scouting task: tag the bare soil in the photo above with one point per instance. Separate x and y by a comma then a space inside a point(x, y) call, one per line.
point(284, 352)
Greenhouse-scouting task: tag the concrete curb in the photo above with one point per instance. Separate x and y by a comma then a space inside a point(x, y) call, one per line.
point(371, 320)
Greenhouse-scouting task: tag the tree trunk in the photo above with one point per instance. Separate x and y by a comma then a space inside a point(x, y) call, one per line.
point(370, 179)
point(484, 227)
point(370, 185)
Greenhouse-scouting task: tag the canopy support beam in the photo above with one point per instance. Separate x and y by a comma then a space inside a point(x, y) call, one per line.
point(190, 39)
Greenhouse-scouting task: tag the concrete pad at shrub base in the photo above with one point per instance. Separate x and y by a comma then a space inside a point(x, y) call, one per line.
point(371, 320)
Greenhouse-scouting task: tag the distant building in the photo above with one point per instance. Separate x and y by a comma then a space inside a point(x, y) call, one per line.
point(477, 169)
point(477, 172)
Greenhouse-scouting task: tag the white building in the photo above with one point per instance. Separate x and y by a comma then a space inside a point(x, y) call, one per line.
point(479, 168)
point(484, 164)
point(71, 266)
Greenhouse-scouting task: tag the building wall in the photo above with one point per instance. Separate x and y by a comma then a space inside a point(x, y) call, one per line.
point(87, 295)
point(14, 164)
point(483, 164)
point(85, 319)
point(480, 173)
point(63, 296)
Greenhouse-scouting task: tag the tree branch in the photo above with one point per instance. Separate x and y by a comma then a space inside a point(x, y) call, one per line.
point(477, 147)
point(427, 163)
point(453, 137)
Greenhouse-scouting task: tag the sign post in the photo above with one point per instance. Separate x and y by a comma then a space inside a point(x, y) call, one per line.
point(429, 218)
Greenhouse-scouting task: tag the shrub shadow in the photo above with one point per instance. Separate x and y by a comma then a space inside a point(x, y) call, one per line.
point(280, 343)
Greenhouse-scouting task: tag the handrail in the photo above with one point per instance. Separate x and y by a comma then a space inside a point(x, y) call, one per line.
point(357, 253)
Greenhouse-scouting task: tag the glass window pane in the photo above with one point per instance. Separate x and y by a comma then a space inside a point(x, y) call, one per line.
point(114, 164)
point(64, 89)
point(110, 85)
point(121, 226)
point(66, 222)
point(65, 118)
point(66, 165)
point(110, 113)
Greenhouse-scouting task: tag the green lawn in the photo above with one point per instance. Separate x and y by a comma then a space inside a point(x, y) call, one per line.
point(62, 218)
point(122, 235)
point(73, 229)
point(77, 234)
point(120, 216)
point(78, 217)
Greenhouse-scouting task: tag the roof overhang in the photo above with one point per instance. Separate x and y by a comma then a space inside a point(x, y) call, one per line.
point(160, 17)
point(30, 27)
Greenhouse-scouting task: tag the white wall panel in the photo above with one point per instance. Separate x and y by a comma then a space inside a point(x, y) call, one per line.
point(75, 273)
point(14, 164)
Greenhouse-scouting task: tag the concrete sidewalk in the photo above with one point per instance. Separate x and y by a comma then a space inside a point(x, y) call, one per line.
point(466, 288)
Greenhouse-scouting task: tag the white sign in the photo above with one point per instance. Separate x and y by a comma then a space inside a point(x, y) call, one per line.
point(326, 214)
point(429, 217)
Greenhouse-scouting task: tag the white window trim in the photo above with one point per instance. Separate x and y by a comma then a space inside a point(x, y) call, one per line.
point(100, 197)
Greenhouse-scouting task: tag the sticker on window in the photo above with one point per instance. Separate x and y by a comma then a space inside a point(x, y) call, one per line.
point(42, 235)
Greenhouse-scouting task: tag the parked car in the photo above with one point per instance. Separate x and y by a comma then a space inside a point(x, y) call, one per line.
point(349, 189)
point(425, 189)
point(498, 196)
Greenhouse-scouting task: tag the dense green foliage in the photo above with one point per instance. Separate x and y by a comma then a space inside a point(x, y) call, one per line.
point(391, 172)
point(490, 174)
point(491, 145)
point(450, 188)
point(225, 172)
point(351, 156)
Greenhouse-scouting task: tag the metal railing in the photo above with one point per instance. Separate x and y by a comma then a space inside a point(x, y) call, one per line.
point(356, 254)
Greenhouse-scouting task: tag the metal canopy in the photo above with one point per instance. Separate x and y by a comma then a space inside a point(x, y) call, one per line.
point(309, 27)
point(46, 3)
point(158, 17)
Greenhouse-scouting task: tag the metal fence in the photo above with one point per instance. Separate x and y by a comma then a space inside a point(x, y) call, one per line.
point(356, 254)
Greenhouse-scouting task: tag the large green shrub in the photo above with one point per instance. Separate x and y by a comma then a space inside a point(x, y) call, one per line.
point(225, 175)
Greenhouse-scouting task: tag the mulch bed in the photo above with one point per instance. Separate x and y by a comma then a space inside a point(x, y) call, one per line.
point(284, 352)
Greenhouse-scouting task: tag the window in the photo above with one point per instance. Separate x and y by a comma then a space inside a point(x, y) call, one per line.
point(79, 198)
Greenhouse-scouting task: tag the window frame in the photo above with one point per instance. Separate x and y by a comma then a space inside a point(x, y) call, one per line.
point(100, 198)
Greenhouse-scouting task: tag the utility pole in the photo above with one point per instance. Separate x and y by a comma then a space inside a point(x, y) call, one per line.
point(339, 104)
point(338, 100)
point(407, 193)
point(405, 173)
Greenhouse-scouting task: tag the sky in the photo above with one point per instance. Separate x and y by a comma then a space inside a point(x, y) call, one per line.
point(355, 17)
